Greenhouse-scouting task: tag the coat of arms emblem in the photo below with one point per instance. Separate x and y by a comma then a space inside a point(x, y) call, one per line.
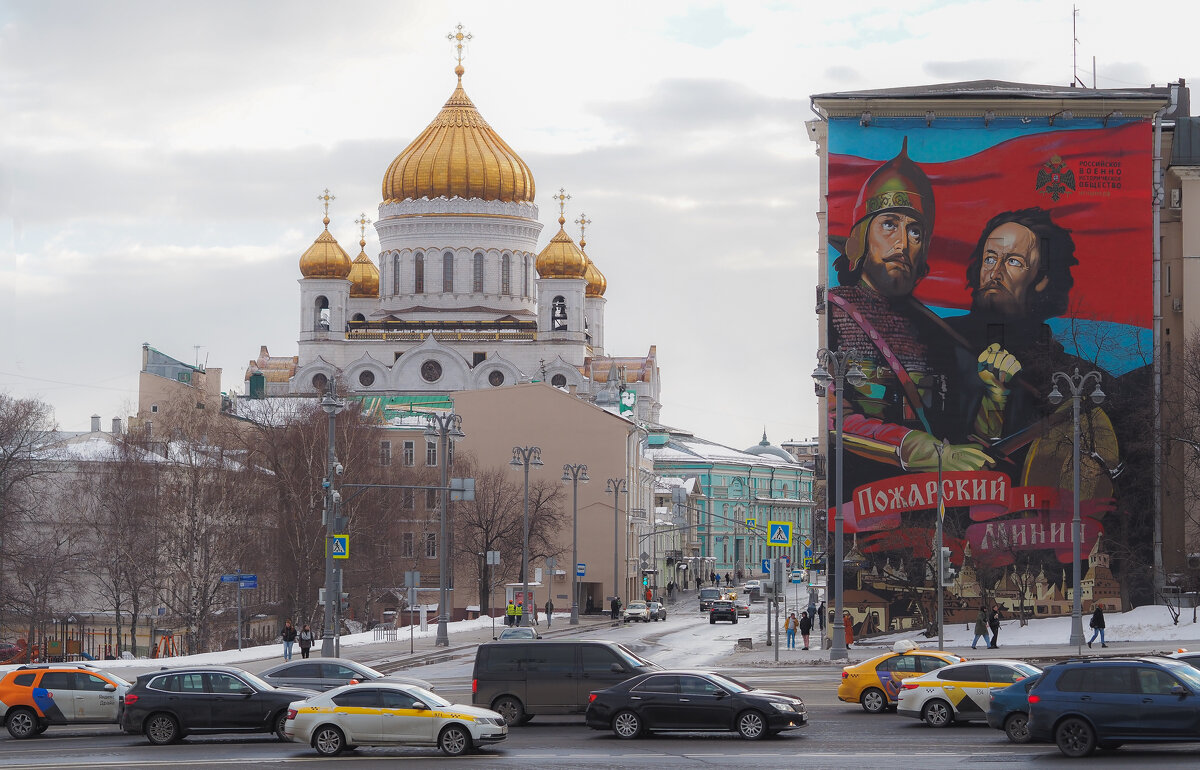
point(1055, 179)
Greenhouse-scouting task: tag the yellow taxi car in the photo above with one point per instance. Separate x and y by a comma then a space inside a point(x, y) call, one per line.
point(875, 683)
point(387, 714)
point(959, 693)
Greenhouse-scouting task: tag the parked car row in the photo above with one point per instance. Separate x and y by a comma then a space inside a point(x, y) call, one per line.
point(1079, 705)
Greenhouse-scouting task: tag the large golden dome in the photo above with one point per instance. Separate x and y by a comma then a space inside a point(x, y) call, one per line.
point(325, 258)
point(458, 154)
point(561, 258)
point(364, 276)
point(597, 284)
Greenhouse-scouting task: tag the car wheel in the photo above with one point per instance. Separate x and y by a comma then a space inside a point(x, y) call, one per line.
point(328, 741)
point(161, 729)
point(873, 701)
point(510, 708)
point(41, 728)
point(1016, 727)
point(751, 725)
point(735, 619)
point(937, 713)
point(454, 740)
point(712, 621)
point(1075, 738)
point(21, 723)
point(627, 724)
point(280, 724)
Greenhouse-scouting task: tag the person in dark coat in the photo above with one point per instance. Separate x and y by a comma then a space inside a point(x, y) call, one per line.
point(821, 616)
point(805, 628)
point(306, 638)
point(615, 607)
point(981, 628)
point(1097, 624)
point(289, 638)
point(994, 624)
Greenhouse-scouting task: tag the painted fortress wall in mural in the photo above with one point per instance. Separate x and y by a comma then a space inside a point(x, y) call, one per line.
point(968, 263)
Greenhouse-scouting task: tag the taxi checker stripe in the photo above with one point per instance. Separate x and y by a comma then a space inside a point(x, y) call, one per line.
point(380, 709)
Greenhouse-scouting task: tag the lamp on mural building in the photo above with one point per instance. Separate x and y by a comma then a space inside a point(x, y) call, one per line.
point(575, 474)
point(616, 487)
point(836, 369)
point(1075, 384)
point(525, 456)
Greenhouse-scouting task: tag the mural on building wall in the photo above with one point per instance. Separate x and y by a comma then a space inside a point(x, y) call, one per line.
point(968, 263)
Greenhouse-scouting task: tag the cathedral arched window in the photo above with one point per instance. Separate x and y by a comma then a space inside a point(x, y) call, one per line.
point(395, 275)
point(419, 274)
point(477, 274)
point(558, 314)
point(321, 314)
point(448, 273)
point(506, 274)
point(525, 274)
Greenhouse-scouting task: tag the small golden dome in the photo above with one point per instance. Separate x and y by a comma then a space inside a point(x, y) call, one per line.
point(325, 258)
point(364, 276)
point(458, 154)
point(597, 284)
point(561, 258)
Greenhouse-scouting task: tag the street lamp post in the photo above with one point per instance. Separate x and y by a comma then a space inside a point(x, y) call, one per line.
point(575, 474)
point(616, 487)
point(445, 428)
point(525, 456)
point(843, 370)
point(1075, 383)
point(941, 515)
point(331, 407)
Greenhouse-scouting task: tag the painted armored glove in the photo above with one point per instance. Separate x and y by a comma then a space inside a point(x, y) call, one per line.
point(919, 453)
point(997, 367)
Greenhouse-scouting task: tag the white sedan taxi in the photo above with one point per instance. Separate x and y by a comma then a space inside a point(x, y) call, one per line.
point(385, 714)
point(961, 692)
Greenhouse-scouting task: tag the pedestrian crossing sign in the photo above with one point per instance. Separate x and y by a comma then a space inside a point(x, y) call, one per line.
point(751, 522)
point(341, 546)
point(779, 533)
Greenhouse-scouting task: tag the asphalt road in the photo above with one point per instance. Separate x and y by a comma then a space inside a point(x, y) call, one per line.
point(839, 735)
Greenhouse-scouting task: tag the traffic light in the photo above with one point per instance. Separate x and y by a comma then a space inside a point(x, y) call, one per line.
point(645, 581)
point(946, 570)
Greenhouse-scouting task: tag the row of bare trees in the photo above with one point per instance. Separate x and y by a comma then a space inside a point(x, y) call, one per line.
point(133, 524)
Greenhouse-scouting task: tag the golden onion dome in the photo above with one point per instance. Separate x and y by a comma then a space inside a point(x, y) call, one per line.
point(458, 154)
point(561, 258)
point(597, 284)
point(325, 258)
point(364, 276)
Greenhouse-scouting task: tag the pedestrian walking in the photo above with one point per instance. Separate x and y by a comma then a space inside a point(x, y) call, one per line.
point(614, 607)
point(805, 627)
point(981, 628)
point(812, 609)
point(535, 614)
point(1097, 624)
point(305, 637)
point(849, 624)
point(519, 620)
point(728, 580)
point(791, 625)
point(510, 614)
point(289, 638)
point(549, 612)
point(994, 624)
point(821, 617)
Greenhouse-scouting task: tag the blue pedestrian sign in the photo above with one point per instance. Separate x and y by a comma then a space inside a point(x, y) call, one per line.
point(766, 566)
point(779, 533)
point(341, 546)
point(580, 569)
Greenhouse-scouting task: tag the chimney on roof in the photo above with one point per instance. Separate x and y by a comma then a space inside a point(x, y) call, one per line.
point(95, 423)
point(116, 426)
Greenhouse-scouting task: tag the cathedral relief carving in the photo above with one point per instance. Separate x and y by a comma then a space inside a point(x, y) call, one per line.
point(431, 371)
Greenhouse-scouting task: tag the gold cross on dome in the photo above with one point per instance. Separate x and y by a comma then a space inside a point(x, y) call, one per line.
point(326, 196)
point(458, 36)
point(562, 199)
point(583, 222)
point(362, 223)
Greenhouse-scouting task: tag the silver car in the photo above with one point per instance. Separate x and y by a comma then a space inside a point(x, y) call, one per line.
point(326, 673)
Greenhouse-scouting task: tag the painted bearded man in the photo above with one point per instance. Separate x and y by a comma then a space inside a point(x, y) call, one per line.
point(907, 404)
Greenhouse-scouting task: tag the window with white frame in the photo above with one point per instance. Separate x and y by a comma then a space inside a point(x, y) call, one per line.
point(406, 545)
point(431, 546)
point(410, 453)
point(431, 454)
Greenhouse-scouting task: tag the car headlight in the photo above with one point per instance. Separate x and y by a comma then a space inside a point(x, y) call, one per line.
point(782, 706)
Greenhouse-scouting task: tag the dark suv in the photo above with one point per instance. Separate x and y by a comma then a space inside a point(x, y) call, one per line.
point(1083, 705)
point(168, 704)
point(723, 609)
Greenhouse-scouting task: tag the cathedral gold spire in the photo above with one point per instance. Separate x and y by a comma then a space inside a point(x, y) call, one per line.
point(458, 36)
point(364, 276)
point(325, 258)
point(561, 258)
point(583, 222)
point(562, 199)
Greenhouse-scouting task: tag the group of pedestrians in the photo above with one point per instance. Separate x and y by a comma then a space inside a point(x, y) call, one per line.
point(290, 636)
point(803, 624)
point(983, 623)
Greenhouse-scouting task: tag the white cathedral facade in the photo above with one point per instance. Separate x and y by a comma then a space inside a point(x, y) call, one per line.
point(461, 299)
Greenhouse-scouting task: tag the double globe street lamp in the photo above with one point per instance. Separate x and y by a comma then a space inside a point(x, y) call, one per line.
point(525, 456)
point(838, 368)
point(1075, 384)
point(575, 474)
point(445, 428)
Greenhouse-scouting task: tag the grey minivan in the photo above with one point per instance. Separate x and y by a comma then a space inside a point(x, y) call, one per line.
point(520, 679)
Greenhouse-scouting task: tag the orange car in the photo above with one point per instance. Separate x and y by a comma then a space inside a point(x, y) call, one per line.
point(34, 697)
point(875, 683)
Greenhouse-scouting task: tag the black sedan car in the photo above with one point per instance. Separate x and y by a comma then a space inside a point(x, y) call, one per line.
point(327, 673)
point(169, 704)
point(692, 700)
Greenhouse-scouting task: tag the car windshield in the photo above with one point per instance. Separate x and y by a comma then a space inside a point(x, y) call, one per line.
point(1027, 669)
point(633, 659)
point(431, 700)
point(732, 685)
point(637, 605)
point(254, 681)
point(1189, 675)
point(370, 672)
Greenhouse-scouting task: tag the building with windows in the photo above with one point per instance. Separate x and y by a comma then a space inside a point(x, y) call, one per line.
point(459, 296)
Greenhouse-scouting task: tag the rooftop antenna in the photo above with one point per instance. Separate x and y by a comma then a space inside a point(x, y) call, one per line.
point(197, 349)
point(1075, 49)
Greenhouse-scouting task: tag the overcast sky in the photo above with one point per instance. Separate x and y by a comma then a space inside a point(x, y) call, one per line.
point(160, 164)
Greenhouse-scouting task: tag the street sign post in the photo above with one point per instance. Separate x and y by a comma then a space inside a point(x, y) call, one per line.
point(779, 533)
point(581, 569)
point(341, 546)
point(766, 566)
